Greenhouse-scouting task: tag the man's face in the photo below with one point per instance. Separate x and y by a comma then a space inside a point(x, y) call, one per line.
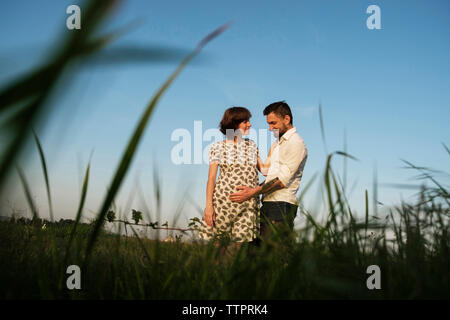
point(277, 123)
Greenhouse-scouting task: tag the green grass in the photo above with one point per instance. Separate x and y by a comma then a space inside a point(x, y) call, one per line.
point(328, 260)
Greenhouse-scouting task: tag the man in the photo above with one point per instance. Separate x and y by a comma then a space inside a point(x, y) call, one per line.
point(287, 160)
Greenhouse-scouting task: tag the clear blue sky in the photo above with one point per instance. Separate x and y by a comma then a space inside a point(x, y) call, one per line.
point(389, 89)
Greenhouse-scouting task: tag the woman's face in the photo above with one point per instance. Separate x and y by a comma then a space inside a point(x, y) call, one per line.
point(244, 126)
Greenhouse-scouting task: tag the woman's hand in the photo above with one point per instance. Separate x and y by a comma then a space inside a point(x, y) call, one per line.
point(209, 215)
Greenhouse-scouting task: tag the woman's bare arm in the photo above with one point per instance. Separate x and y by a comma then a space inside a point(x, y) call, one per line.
point(209, 209)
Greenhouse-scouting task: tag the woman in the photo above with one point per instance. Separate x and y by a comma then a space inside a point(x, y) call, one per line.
point(239, 161)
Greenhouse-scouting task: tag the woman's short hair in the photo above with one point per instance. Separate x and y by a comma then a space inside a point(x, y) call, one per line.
point(233, 117)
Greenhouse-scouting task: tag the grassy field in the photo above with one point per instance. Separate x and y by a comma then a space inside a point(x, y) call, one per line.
point(327, 261)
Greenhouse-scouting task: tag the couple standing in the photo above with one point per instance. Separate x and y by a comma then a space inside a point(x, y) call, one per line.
point(232, 202)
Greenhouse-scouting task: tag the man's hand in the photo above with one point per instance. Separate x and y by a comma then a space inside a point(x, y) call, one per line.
point(245, 194)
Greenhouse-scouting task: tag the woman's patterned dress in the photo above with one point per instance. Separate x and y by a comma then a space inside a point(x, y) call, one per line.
point(237, 163)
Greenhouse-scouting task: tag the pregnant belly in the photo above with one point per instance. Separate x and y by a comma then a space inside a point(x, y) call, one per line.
point(224, 189)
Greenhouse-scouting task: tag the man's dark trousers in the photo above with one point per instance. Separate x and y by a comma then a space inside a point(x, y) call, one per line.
point(278, 215)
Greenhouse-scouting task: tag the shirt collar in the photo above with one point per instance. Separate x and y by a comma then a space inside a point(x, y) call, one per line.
point(288, 134)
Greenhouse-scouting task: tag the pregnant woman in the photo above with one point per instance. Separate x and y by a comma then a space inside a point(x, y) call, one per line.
point(239, 162)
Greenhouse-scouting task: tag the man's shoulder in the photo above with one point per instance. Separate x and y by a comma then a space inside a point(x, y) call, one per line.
point(297, 140)
point(295, 146)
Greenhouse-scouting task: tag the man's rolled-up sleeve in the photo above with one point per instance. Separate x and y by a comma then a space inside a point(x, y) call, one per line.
point(290, 161)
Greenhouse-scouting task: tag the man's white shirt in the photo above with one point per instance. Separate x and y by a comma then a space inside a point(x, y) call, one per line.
point(287, 161)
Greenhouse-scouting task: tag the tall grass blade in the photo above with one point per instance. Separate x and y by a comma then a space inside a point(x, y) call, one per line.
point(134, 141)
point(44, 169)
point(446, 148)
point(375, 191)
point(141, 244)
point(157, 187)
point(328, 191)
point(143, 203)
point(345, 162)
point(322, 128)
point(307, 186)
point(79, 211)
point(366, 220)
point(327, 180)
point(26, 189)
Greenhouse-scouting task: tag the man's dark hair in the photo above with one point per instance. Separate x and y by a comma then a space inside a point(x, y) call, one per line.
point(233, 117)
point(280, 108)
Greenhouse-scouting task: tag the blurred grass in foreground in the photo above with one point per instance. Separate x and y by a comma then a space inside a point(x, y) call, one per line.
point(19, 117)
